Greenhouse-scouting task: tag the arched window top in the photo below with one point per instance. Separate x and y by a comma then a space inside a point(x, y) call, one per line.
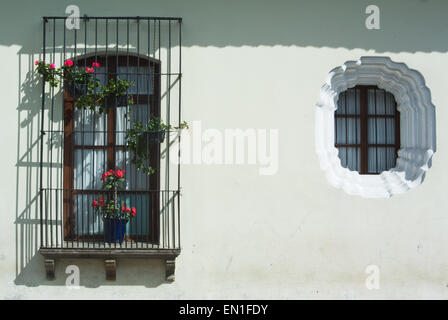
point(417, 126)
point(140, 69)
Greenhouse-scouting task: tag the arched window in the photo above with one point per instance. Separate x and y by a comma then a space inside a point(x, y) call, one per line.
point(367, 129)
point(95, 142)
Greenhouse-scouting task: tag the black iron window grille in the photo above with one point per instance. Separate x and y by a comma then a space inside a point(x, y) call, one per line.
point(78, 145)
point(367, 129)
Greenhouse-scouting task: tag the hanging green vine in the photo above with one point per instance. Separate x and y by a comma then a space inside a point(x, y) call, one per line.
point(140, 136)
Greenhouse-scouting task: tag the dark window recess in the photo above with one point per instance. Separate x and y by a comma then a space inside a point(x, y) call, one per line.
point(77, 146)
point(367, 129)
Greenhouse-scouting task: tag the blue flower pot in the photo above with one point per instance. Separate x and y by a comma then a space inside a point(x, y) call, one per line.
point(114, 230)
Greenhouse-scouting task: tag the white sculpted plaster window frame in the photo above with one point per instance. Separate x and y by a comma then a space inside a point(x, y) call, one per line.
point(417, 126)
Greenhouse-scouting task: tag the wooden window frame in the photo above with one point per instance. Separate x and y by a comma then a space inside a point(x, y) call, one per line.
point(364, 119)
point(154, 102)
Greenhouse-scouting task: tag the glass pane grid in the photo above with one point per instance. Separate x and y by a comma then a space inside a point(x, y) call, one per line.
point(380, 126)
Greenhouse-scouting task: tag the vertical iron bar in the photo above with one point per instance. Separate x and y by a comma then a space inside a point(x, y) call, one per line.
point(159, 102)
point(73, 137)
point(116, 98)
point(106, 122)
point(64, 147)
point(50, 141)
point(168, 132)
point(179, 138)
point(127, 92)
point(148, 91)
point(83, 144)
point(42, 137)
point(138, 100)
point(94, 133)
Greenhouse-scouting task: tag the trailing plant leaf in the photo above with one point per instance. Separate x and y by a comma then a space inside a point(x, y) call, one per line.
point(95, 96)
point(139, 136)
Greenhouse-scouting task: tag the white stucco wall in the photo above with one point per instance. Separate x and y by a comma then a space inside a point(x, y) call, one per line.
point(251, 64)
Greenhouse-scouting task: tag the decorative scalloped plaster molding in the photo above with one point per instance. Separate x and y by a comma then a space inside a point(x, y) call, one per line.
point(417, 126)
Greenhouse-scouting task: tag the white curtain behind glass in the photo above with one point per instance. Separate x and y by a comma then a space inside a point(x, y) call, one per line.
point(91, 130)
point(379, 130)
point(348, 128)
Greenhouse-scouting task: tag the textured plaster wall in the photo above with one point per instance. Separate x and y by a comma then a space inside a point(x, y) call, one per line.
point(251, 64)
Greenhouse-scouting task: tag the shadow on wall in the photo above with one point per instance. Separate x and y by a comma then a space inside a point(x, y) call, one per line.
point(129, 272)
point(406, 25)
point(30, 269)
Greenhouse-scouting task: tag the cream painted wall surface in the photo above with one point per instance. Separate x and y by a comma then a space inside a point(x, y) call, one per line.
point(251, 64)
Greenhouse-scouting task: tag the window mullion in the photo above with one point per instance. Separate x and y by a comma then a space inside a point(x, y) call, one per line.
point(364, 129)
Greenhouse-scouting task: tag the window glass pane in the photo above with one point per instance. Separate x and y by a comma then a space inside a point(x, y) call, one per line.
point(390, 104)
point(391, 158)
point(353, 101)
point(376, 132)
point(341, 103)
point(348, 131)
point(135, 180)
point(349, 102)
point(140, 224)
point(390, 130)
point(143, 77)
point(101, 74)
point(86, 221)
point(371, 101)
point(350, 158)
point(381, 159)
point(380, 101)
point(88, 167)
point(138, 112)
point(90, 128)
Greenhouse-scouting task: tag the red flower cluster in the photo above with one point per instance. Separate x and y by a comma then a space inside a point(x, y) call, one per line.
point(94, 65)
point(119, 174)
point(132, 210)
point(100, 203)
point(69, 63)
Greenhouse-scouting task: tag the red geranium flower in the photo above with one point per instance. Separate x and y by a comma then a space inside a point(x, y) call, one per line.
point(119, 174)
point(94, 203)
point(105, 175)
point(101, 202)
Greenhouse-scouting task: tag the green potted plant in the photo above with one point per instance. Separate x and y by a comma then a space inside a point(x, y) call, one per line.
point(115, 93)
point(84, 87)
point(115, 214)
point(139, 137)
